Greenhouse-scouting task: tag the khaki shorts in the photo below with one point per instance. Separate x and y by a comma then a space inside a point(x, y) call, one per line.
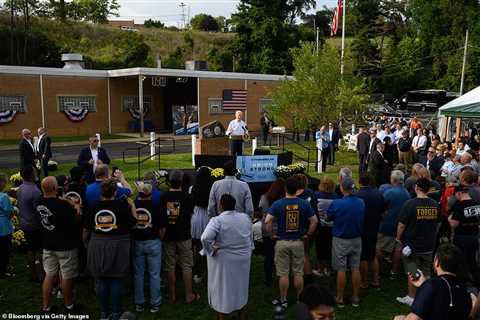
point(423, 261)
point(178, 252)
point(64, 261)
point(386, 243)
point(289, 257)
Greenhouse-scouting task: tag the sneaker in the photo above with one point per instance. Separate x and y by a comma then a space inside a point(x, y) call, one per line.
point(318, 273)
point(355, 303)
point(197, 279)
point(139, 307)
point(281, 303)
point(75, 309)
point(154, 309)
point(393, 275)
point(405, 300)
point(7, 275)
point(59, 294)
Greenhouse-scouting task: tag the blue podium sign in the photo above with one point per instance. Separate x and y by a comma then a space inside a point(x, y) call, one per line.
point(257, 168)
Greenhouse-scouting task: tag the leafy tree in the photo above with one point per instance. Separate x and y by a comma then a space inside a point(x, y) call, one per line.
point(222, 23)
point(204, 22)
point(175, 60)
point(150, 23)
point(321, 19)
point(96, 11)
point(219, 59)
point(316, 93)
point(265, 33)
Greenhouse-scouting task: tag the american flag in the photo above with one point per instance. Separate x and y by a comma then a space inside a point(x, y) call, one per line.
point(336, 18)
point(234, 99)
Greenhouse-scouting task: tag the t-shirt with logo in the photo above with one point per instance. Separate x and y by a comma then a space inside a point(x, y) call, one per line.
point(467, 213)
point(149, 221)
point(110, 217)
point(292, 216)
point(59, 227)
point(421, 217)
point(178, 207)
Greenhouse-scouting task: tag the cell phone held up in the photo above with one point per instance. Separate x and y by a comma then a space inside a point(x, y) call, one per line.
point(412, 270)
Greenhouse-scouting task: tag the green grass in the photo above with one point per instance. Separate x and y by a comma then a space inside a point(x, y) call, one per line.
point(7, 142)
point(18, 295)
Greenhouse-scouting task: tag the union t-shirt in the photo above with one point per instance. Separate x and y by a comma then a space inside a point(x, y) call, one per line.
point(467, 213)
point(178, 208)
point(292, 216)
point(149, 221)
point(421, 216)
point(112, 217)
point(59, 232)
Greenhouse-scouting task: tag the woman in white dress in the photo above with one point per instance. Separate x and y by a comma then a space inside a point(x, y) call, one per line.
point(227, 241)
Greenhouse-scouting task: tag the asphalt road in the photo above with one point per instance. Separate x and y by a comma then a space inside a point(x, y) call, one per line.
point(64, 154)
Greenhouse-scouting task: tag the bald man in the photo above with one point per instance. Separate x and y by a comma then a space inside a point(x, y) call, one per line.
point(237, 128)
point(26, 149)
point(60, 257)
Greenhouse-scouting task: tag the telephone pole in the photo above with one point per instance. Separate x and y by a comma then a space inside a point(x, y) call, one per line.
point(183, 5)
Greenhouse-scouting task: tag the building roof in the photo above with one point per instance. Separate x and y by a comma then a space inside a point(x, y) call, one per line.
point(136, 72)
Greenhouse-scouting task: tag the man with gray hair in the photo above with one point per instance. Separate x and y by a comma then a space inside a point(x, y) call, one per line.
point(26, 149)
point(236, 130)
point(344, 173)
point(394, 198)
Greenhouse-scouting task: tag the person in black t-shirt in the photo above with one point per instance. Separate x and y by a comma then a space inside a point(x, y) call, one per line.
point(417, 231)
point(177, 206)
point(147, 248)
point(442, 297)
point(60, 256)
point(464, 221)
point(108, 254)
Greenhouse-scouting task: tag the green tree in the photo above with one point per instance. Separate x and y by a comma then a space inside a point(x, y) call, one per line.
point(204, 22)
point(150, 23)
point(321, 19)
point(96, 11)
point(175, 60)
point(316, 94)
point(265, 31)
point(222, 23)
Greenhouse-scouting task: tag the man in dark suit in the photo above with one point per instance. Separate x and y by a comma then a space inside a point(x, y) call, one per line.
point(44, 151)
point(378, 165)
point(26, 149)
point(335, 136)
point(90, 157)
point(373, 142)
point(363, 144)
point(434, 163)
point(265, 123)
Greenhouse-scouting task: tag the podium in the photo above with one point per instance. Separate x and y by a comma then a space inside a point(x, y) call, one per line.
point(212, 140)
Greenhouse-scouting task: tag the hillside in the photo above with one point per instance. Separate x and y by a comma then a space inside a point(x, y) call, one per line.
point(103, 46)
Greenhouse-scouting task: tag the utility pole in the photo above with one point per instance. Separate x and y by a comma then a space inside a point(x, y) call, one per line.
point(342, 60)
point(183, 5)
point(318, 40)
point(465, 51)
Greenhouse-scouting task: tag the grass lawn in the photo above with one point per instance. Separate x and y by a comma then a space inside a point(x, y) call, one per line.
point(8, 142)
point(19, 295)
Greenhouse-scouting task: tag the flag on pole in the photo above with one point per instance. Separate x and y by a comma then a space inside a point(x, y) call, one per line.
point(336, 18)
point(234, 99)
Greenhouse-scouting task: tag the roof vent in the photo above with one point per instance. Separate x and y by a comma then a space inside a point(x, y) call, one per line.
point(73, 61)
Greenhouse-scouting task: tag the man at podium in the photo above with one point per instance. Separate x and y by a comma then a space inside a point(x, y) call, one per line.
point(237, 131)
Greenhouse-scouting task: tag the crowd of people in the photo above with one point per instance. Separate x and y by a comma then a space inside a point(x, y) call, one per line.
point(415, 207)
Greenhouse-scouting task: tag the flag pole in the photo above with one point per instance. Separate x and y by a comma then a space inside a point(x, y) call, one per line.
point(342, 59)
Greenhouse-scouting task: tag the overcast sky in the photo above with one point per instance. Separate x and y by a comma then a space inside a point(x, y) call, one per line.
point(170, 12)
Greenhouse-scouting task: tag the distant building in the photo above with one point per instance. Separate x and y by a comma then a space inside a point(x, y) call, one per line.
point(122, 23)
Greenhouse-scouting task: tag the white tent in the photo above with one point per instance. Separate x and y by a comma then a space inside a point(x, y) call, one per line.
point(465, 106)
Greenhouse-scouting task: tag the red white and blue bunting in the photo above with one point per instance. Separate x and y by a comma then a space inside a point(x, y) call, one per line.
point(76, 114)
point(7, 116)
point(135, 112)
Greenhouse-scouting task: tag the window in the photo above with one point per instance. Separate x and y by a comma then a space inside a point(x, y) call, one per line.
point(131, 102)
point(263, 104)
point(15, 103)
point(76, 102)
point(215, 105)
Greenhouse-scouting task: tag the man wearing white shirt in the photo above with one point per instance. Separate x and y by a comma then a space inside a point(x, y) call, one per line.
point(91, 157)
point(419, 146)
point(27, 150)
point(43, 149)
point(236, 130)
point(381, 134)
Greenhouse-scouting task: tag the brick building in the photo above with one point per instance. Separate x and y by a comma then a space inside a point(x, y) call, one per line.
point(76, 101)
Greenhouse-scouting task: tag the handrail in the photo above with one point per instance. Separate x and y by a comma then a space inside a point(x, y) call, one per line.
point(307, 148)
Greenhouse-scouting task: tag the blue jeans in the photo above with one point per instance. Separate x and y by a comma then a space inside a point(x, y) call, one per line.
point(109, 294)
point(149, 253)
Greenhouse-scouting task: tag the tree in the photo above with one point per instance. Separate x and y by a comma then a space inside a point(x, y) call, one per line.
point(321, 19)
point(316, 94)
point(222, 23)
point(265, 31)
point(96, 11)
point(204, 22)
point(150, 23)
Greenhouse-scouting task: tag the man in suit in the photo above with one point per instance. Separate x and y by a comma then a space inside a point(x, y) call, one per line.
point(265, 123)
point(26, 149)
point(434, 163)
point(91, 157)
point(335, 137)
point(44, 151)
point(363, 144)
point(373, 142)
point(378, 165)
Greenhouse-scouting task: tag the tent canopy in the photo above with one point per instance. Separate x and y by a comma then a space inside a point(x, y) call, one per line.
point(465, 106)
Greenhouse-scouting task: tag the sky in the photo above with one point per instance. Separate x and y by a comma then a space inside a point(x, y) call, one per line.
point(170, 12)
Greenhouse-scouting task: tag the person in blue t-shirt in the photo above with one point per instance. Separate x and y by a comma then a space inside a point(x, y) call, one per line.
point(395, 198)
point(292, 215)
point(94, 190)
point(347, 215)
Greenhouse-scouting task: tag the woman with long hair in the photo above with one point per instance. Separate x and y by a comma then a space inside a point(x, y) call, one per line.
point(200, 192)
point(274, 193)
